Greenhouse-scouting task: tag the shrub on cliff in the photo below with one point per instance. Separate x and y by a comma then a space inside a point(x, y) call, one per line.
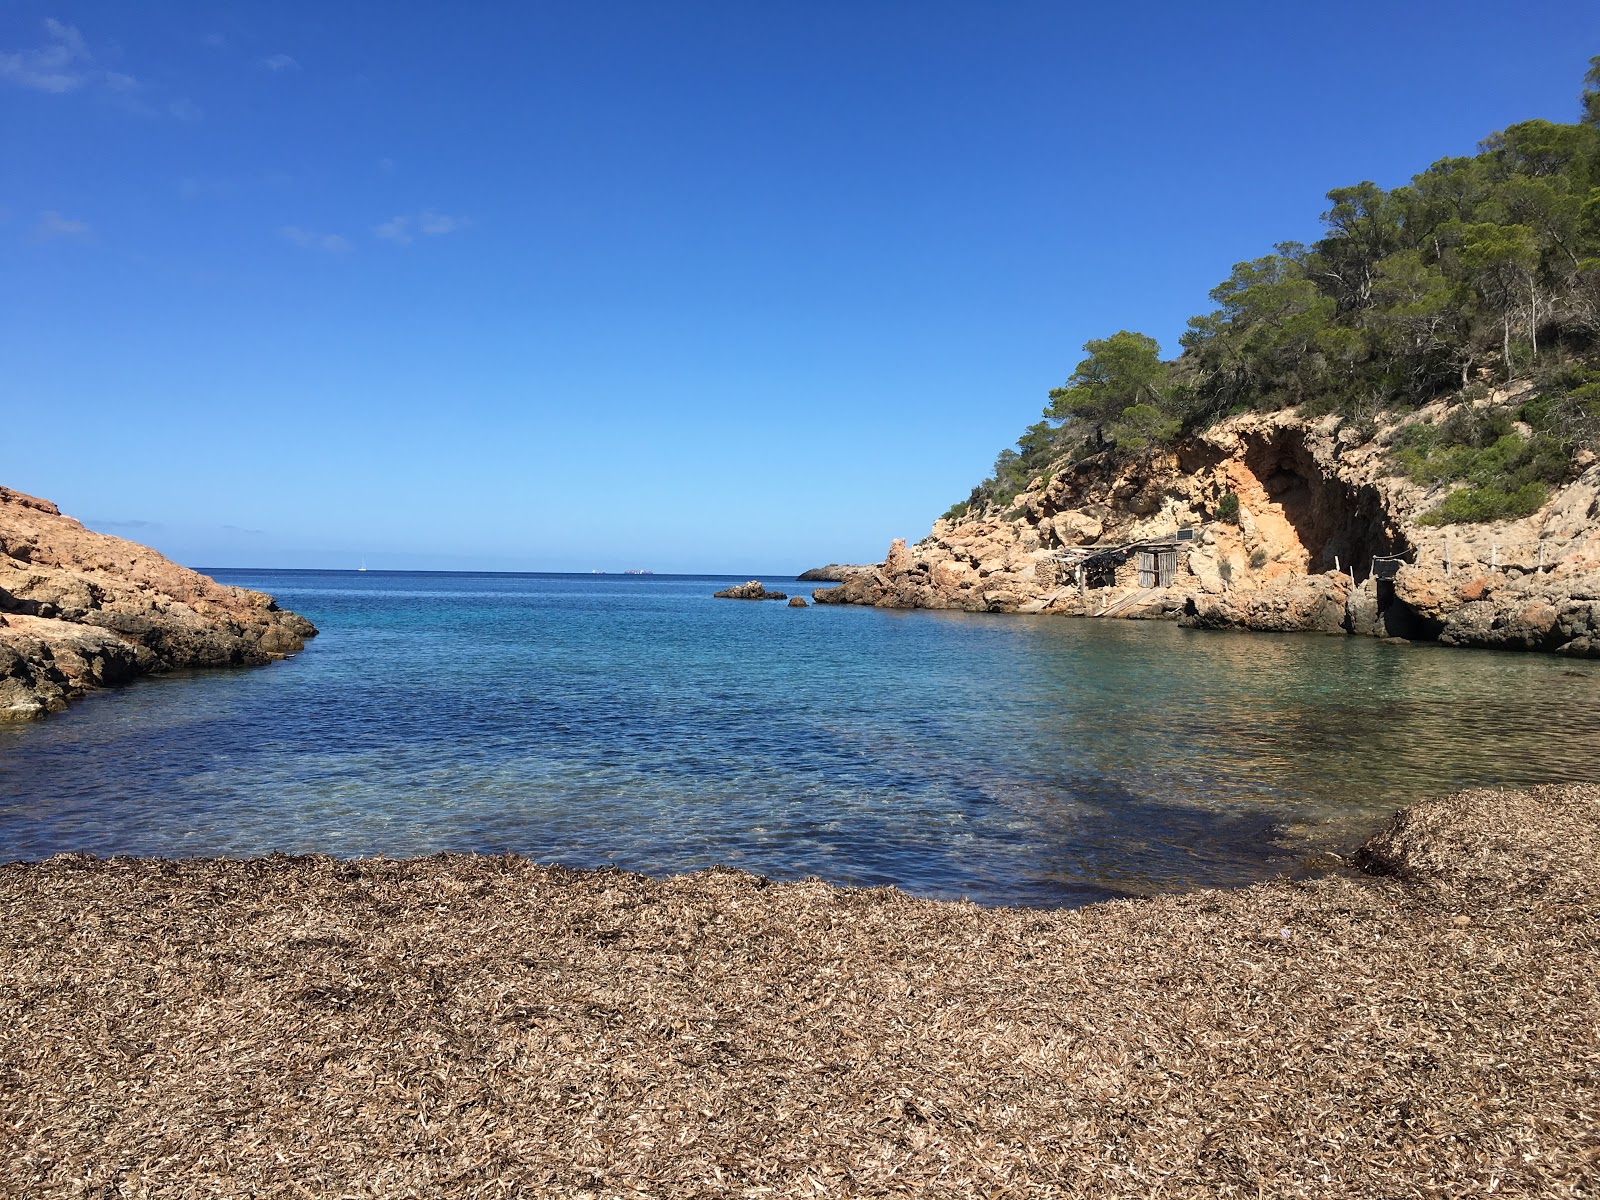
point(1507, 474)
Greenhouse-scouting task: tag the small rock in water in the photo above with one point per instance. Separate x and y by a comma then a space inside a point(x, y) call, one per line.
point(754, 590)
point(797, 602)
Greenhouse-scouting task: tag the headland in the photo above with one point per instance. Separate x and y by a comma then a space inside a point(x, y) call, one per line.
point(81, 610)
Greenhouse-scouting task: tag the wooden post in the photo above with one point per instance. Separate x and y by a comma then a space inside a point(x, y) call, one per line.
point(1494, 556)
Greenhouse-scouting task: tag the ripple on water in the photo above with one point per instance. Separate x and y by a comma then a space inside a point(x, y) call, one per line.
point(635, 721)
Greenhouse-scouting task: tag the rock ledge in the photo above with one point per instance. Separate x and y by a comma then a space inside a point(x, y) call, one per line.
point(81, 610)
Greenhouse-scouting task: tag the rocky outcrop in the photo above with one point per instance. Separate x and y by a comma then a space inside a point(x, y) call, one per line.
point(1276, 522)
point(754, 590)
point(797, 602)
point(832, 573)
point(81, 610)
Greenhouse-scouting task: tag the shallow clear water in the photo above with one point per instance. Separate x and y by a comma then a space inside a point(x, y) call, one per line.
point(637, 721)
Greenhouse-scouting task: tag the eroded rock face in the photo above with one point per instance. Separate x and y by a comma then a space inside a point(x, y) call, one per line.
point(82, 610)
point(1313, 503)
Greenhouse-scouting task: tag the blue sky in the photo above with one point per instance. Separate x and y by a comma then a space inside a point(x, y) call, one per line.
point(684, 286)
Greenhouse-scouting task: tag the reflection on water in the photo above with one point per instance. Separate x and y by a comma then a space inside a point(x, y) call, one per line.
point(639, 722)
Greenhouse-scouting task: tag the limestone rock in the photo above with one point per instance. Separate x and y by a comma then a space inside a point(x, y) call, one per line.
point(832, 573)
point(797, 602)
point(1077, 528)
point(1316, 502)
point(84, 610)
point(1315, 603)
point(754, 590)
point(898, 561)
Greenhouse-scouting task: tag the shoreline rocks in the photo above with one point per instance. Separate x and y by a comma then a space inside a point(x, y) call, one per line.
point(1263, 517)
point(754, 590)
point(81, 610)
point(833, 573)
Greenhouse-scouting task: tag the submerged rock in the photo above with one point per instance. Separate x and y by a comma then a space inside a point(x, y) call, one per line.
point(754, 590)
point(85, 610)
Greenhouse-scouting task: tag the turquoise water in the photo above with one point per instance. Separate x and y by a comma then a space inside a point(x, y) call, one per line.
point(637, 721)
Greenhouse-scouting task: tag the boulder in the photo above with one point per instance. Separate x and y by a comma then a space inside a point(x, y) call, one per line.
point(1300, 603)
point(1077, 528)
point(898, 561)
point(797, 602)
point(753, 590)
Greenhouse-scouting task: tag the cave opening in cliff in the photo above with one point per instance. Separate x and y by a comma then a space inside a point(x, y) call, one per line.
point(1308, 516)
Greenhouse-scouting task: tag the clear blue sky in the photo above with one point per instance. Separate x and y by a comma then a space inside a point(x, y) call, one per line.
point(682, 285)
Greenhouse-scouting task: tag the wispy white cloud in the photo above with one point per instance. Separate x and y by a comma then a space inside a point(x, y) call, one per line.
point(333, 243)
point(65, 64)
point(406, 229)
point(62, 64)
point(53, 225)
point(280, 62)
point(193, 187)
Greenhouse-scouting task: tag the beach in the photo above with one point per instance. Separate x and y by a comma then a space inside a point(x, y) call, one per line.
point(479, 1025)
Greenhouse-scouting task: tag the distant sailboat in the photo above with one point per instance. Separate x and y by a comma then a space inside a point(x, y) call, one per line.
point(363, 565)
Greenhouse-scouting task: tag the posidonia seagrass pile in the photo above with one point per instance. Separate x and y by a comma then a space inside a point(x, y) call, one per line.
point(475, 1026)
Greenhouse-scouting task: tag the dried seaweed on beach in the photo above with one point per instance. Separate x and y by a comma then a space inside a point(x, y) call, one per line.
point(483, 1026)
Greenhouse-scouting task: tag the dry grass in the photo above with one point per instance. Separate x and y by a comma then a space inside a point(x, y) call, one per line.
point(469, 1026)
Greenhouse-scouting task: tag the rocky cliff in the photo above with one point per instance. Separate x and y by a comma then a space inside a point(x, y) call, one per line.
point(1276, 522)
point(81, 610)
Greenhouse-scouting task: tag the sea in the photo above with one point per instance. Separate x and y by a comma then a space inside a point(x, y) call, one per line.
point(637, 722)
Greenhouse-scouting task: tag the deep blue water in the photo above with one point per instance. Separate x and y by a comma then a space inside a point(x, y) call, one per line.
point(637, 721)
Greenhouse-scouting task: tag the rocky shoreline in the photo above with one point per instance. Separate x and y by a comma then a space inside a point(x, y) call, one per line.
point(473, 1025)
point(1320, 535)
point(81, 610)
point(833, 573)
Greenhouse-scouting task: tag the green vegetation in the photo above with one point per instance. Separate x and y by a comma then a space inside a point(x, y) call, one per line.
point(1483, 267)
point(1507, 472)
point(1228, 507)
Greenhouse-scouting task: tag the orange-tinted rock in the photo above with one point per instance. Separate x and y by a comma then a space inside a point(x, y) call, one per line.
point(86, 610)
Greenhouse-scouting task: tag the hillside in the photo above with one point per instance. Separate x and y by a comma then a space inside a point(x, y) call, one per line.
point(81, 610)
point(1417, 394)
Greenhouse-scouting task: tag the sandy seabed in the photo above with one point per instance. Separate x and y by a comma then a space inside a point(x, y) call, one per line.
point(482, 1026)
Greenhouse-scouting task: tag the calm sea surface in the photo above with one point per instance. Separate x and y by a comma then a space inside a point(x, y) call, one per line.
point(636, 721)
